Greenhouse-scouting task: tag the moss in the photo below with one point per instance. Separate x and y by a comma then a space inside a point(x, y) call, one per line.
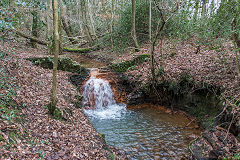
point(64, 64)
point(112, 156)
point(125, 66)
point(1, 138)
point(78, 101)
point(79, 50)
point(102, 136)
point(198, 99)
point(59, 115)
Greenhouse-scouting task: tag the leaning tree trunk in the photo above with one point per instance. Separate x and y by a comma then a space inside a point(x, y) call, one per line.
point(66, 25)
point(134, 36)
point(56, 38)
point(84, 18)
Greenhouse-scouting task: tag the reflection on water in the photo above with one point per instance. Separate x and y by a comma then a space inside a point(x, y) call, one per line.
point(146, 133)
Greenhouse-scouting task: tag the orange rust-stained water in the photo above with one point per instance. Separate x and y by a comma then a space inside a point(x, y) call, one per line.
point(148, 133)
point(111, 79)
point(143, 131)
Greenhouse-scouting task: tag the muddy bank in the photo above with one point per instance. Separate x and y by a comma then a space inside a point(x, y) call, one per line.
point(201, 100)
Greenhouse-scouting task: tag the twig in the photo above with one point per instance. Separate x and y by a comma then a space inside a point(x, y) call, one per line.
point(190, 144)
point(189, 123)
point(229, 127)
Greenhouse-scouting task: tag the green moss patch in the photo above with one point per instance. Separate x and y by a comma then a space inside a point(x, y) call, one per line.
point(78, 50)
point(64, 64)
point(124, 66)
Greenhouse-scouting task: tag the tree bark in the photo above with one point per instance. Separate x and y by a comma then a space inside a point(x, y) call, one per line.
point(66, 26)
point(84, 18)
point(134, 36)
point(56, 38)
point(111, 24)
point(160, 28)
point(150, 20)
point(236, 42)
point(48, 11)
point(196, 10)
point(204, 8)
point(35, 27)
point(91, 18)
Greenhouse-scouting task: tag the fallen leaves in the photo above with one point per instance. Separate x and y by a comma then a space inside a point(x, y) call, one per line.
point(49, 138)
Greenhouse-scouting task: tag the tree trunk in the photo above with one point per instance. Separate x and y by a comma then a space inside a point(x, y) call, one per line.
point(53, 105)
point(236, 42)
point(48, 11)
point(31, 38)
point(91, 18)
point(150, 20)
point(111, 24)
point(66, 25)
point(84, 18)
point(204, 8)
point(35, 27)
point(134, 36)
point(196, 10)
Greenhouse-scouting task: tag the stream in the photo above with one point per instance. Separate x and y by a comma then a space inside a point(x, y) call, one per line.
point(144, 133)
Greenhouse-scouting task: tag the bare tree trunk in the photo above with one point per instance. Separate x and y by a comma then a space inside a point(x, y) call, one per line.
point(56, 38)
point(152, 55)
point(150, 20)
point(236, 42)
point(35, 27)
point(204, 8)
point(48, 11)
point(91, 18)
point(196, 10)
point(134, 36)
point(111, 24)
point(84, 18)
point(160, 28)
point(65, 24)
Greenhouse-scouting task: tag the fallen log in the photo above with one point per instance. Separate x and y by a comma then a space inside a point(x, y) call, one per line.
point(31, 38)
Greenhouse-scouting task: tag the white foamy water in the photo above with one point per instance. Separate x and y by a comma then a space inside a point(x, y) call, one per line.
point(99, 96)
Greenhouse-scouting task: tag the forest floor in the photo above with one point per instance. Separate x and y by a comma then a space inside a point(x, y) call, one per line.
point(76, 138)
point(39, 135)
point(215, 65)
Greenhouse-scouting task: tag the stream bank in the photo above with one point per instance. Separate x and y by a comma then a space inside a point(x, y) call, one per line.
point(199, 99)
point(48, 138)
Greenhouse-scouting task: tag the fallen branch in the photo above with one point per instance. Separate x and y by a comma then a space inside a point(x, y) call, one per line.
point(31, 38)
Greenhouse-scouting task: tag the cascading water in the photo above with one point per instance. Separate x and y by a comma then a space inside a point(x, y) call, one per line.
point(144, 133)
point(99, 100)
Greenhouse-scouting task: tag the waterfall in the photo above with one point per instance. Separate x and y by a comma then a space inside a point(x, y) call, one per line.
point(99, 100)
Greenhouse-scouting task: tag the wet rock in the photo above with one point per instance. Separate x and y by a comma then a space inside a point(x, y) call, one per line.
point(135, 98)
point(215, 144)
